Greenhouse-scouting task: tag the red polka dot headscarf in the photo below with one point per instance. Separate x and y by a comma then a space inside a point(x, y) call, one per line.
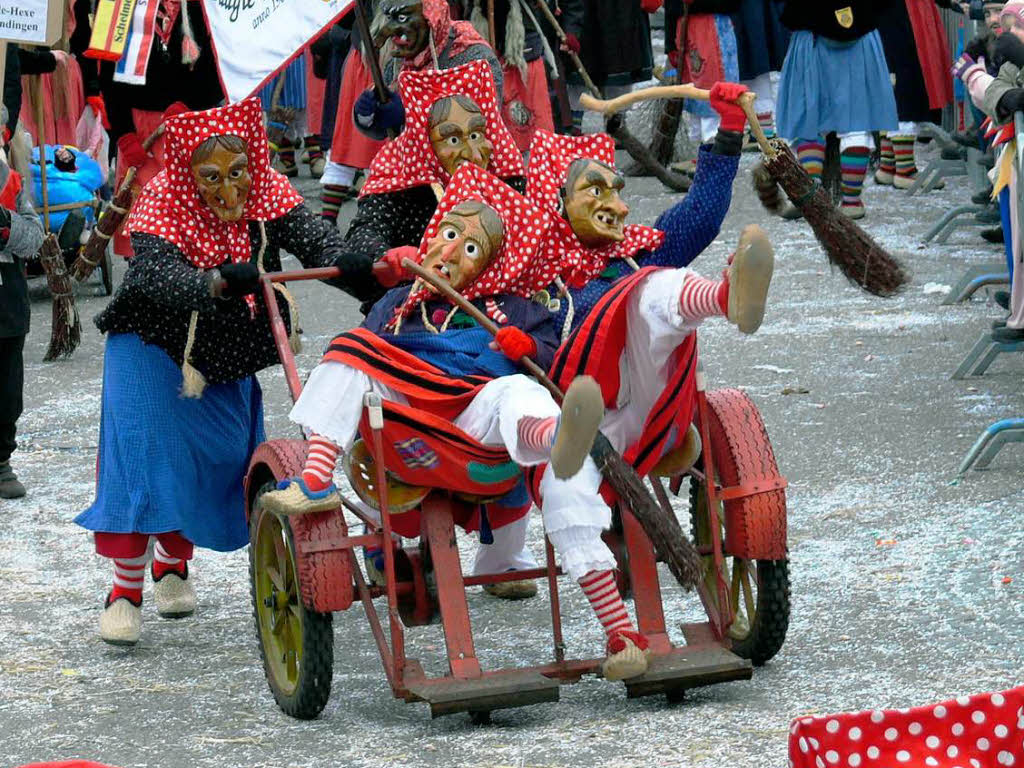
point(550, 158)
point(981, 731)
point(409, 160)
point(170, 206)
point(515, 269)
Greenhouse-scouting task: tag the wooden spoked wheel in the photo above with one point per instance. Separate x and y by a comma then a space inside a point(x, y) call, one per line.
point(296, 644)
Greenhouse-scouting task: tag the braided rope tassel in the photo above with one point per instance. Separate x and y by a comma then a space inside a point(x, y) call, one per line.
point(193, 382)
point(570, 313)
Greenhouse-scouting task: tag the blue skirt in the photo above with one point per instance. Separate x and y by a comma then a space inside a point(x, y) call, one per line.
point(170, 463)
point(293, 92)
point(827, 85)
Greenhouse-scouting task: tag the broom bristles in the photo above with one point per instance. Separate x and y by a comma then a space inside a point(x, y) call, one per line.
point(66, 327)
point(666, 535)
point(863, 261)
point(767, 189)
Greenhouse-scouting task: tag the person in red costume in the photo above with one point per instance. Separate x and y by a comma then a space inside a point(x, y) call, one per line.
point(413, 35)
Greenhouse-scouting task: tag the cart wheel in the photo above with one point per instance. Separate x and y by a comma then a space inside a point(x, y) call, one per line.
point(107, 270)
point(296, 644)
point(758, 589)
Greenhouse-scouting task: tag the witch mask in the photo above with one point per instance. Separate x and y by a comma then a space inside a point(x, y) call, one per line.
point(405, 25)
point(220, 169)
point(458, 133)
point(467, 239)
point(593, 204)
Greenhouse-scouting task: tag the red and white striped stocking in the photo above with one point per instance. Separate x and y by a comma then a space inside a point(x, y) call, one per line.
point(128, 578)
point(319, 470)
point(603, 594)
point(702, 298)
point(164, 563)
point(537, 434)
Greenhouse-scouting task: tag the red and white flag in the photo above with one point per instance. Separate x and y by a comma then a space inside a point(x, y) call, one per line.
point(255, 39)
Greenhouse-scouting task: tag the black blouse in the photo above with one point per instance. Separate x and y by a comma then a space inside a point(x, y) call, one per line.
point(162, 288)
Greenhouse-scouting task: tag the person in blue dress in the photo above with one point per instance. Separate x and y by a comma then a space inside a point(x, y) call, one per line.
point(186, 332)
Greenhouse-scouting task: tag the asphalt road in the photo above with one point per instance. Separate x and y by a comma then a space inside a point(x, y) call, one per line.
point(907, 583)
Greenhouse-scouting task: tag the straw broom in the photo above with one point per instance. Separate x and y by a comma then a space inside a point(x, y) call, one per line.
point(111, 220)
point(670, 542)
point(862, 260)
point(66, 328)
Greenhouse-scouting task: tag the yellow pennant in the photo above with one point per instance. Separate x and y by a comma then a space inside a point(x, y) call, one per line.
point(110, 29)
point(845, 17)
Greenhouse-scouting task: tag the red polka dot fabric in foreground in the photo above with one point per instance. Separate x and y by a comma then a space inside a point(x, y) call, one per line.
point(981, 731)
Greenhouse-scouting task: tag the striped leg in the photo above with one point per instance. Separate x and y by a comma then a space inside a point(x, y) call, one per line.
point(854, 164)
point(319, 470)
point(128, 578)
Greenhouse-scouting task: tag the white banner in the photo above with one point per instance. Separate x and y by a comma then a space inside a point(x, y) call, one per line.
point(256, 38)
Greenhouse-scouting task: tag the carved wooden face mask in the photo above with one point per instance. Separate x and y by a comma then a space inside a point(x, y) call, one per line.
point(594, 207)
point(458, 134)
point(402, 22)
point(222, 176)
point(467, 239)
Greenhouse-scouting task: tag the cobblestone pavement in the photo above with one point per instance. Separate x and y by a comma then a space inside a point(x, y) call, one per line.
point(906, 583)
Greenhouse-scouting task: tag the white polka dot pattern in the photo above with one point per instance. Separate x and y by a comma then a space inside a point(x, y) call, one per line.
point(982, 731)
point(170, 206)
point(515, 269)
point(409, 160)
point(550, 158)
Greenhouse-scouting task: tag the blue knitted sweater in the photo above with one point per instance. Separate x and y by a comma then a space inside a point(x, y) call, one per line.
point(689, 226)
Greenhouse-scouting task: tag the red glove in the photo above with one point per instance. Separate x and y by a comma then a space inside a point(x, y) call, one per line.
point(177, 108)
point(723, 101)
point(389, 270)
point(100, 108)
point(130, 151)
point(650, 6)
point(571, 43)
point(515, 343)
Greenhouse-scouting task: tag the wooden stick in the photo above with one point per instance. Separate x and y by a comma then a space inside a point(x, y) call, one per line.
point(542, 6)
point(363, 23)
point(684, 91)
point(37, 98)
point(490, 25)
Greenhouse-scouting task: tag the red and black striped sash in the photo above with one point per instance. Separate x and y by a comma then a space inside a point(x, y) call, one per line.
point(424, 385)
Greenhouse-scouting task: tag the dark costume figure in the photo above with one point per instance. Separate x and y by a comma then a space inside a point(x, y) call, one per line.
point(916, 51)
point(615, 47)
point(415, 35)
point(523, 52)
point(762, 41)
point(188, 320)
point(835, 78)
point(21, 234)
point(402, 189)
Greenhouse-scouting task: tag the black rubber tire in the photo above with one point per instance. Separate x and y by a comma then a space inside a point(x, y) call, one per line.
point(768, 632)
point(316, 667)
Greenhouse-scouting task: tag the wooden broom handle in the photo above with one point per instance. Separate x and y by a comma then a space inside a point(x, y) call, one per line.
point(685, 91)
point(485, 322)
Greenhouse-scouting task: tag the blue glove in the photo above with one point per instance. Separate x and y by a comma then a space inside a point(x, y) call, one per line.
point(376, 120)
